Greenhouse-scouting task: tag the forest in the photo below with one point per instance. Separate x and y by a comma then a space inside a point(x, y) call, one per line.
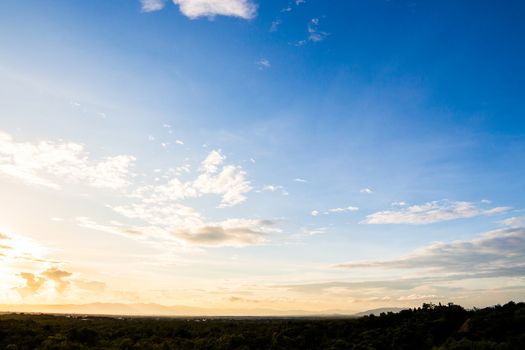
point(430, 326)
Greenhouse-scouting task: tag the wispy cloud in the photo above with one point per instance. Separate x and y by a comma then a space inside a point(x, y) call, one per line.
point(431, 212)
point(263, 63)
point(366, 190)
point(314, 33)
point(50, 164)
point(335, 210)
point(210, 8)
point(152, 5)
point(343, 210)
point(233, 232)
point(275, 25)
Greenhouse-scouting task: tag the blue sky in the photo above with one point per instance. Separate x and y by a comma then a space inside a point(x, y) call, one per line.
point(263, 149)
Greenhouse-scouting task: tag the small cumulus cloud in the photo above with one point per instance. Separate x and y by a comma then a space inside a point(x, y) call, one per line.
point(32, 284)
point(58, 277)
point(366, 190)
point(314, 213)
point(210, 8)
point(274, 188)
point(298, 179)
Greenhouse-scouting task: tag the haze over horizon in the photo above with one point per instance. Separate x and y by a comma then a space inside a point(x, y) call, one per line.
point(248, 155)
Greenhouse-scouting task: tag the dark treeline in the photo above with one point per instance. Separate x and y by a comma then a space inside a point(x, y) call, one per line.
point(428, 327)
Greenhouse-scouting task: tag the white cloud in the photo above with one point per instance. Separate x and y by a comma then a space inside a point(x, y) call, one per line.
point(48, 163)
point(210, 8)
point(152, 5)
point(517, 221)
point(213, 161)
point(335, 211)
point(228, 181)
point(179, 142)
point(366, 190)
point(343, 210)
point(431, 212)
point(274, 188)
point(298, 179)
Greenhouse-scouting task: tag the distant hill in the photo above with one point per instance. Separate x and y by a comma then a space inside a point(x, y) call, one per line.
point(377, 312)
point(144, 309)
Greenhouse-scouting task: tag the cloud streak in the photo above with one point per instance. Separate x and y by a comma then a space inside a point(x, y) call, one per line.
point(497, 253)
point(431, 212)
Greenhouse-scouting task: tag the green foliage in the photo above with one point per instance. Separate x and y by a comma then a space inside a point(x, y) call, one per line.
point(432, 327)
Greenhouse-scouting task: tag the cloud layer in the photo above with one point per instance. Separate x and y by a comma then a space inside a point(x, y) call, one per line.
point(431, 212)
point(499, 253)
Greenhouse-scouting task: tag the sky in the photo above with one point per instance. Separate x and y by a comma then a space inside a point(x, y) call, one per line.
point(255, 157)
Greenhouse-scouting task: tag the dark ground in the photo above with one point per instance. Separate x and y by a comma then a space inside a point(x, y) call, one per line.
point(428, 327)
